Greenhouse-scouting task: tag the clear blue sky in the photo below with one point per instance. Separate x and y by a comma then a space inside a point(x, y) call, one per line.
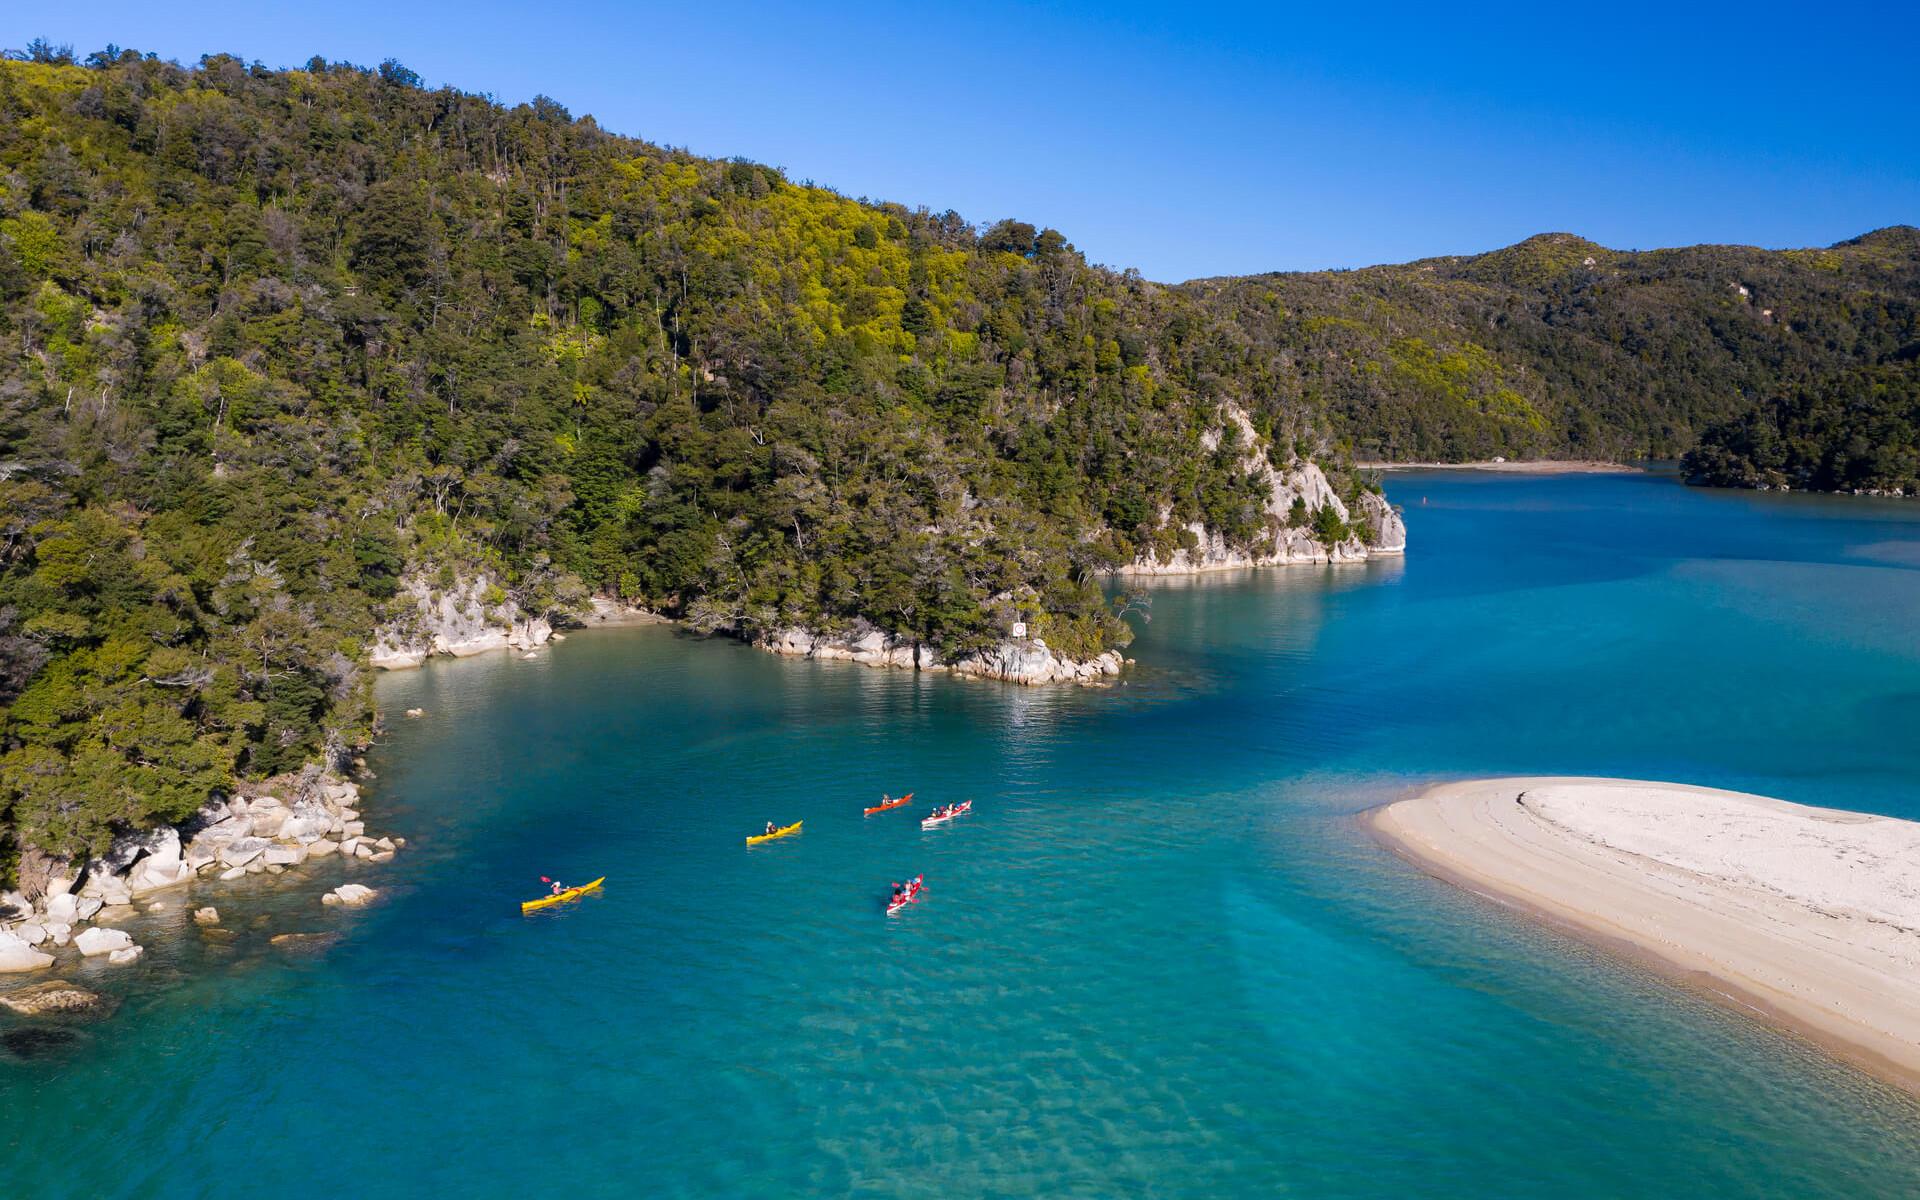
point(1189, 140)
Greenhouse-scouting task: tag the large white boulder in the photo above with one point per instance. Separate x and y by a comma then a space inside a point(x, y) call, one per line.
point(163, 867)
point(59, 933)
point(32, 934)
point(305, 830)
point(284, 856)
point(351, 895)
point(243, 851)
point(129, 954)
point(101, 940)
point(16, 955)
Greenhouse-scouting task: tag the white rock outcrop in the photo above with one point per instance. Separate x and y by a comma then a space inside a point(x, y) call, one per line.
point(16, 955)
point(120, 958)
point(101, 940)
point(349, 895)
point(1282, 542)
point(1014, 660)
point(459, 622)
point(161, 868)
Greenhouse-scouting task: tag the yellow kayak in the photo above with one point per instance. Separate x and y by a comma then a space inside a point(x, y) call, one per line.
point(527, 906)
point(778, 833)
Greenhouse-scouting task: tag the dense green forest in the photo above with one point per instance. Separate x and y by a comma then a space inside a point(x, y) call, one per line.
point(1858, 431)
point(1560, 347)
point(275, 342)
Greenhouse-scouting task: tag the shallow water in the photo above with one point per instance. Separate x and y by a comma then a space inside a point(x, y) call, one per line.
point(1160, 958)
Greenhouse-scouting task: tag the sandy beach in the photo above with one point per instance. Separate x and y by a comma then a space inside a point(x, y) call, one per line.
point(1808, 918)
point(1539, 466)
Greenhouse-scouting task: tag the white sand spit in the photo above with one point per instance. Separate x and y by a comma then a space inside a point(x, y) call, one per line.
point(1810, 914)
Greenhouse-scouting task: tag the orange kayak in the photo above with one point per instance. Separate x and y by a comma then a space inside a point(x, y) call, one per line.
point(906, 799)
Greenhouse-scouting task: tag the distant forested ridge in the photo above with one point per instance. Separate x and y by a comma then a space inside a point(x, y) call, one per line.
point(1557, 347)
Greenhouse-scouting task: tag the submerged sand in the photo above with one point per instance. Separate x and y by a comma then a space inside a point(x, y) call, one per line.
point(1809, 917)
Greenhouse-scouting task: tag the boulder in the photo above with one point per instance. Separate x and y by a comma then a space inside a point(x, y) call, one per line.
point(232, 873)
point(307, 942)
point(55, 997)
point(355, 829)
point(322, 848)
point(100, 940)
point(284, 856)
point(305, 830)
point(59, 934)
point(120, 958)
point(87, 907)
point(340, 793)
point(243, 851)
point(163, 868)
point(13, 904)
point(384, 844)
point(350, 895)
point(380, 856)
point(364, 850)
point(267, 824)
point(31, 934)
point(16, 955)
point(206, 916)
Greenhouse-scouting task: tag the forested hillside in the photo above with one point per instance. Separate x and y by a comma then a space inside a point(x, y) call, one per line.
point(272, 342)
point(1859, 431)
point(281, 348)
point(1560, 347)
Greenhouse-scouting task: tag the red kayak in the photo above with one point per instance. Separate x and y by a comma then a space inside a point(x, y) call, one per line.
point(886, 804)
point(941, 818)
point(915, 889)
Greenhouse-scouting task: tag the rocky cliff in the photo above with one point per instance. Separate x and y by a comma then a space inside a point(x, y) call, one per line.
point(1014, 660)
point(1377, 528)
point(470, 617)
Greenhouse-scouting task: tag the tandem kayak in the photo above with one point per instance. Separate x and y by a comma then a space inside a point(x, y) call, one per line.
point(915, 890)
point(527, 906)
point(778, 833)
point(959, 810)
point(887, 804)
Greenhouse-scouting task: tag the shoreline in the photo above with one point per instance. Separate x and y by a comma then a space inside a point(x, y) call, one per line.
point(1720, 894)
point(1536, 466)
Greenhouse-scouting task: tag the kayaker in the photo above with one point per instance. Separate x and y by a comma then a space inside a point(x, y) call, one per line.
point(558, 887)
point(771, 827)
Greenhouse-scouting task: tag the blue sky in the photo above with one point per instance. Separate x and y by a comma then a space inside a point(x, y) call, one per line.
point(1195, 140)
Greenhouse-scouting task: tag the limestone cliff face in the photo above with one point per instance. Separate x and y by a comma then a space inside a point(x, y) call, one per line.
point(458, 621)
point(1281, 543)
point(1014, 660)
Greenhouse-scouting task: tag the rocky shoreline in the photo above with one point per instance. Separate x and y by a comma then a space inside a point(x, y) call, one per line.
point(1020, 660)
point(65, 914)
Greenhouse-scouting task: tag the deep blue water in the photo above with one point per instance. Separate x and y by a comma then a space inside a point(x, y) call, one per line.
point(1161, 958)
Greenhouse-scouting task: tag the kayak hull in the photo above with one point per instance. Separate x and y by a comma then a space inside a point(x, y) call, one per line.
point(906, 799)
point(778, 833)
point(936, 822)
point(913, 897)
point(527, 906)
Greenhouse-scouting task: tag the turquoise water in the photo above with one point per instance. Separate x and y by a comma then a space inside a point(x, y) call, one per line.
point(1161, 958)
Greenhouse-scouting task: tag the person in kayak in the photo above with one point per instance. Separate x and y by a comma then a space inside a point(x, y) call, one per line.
point(558, 887)
point(771, 827)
